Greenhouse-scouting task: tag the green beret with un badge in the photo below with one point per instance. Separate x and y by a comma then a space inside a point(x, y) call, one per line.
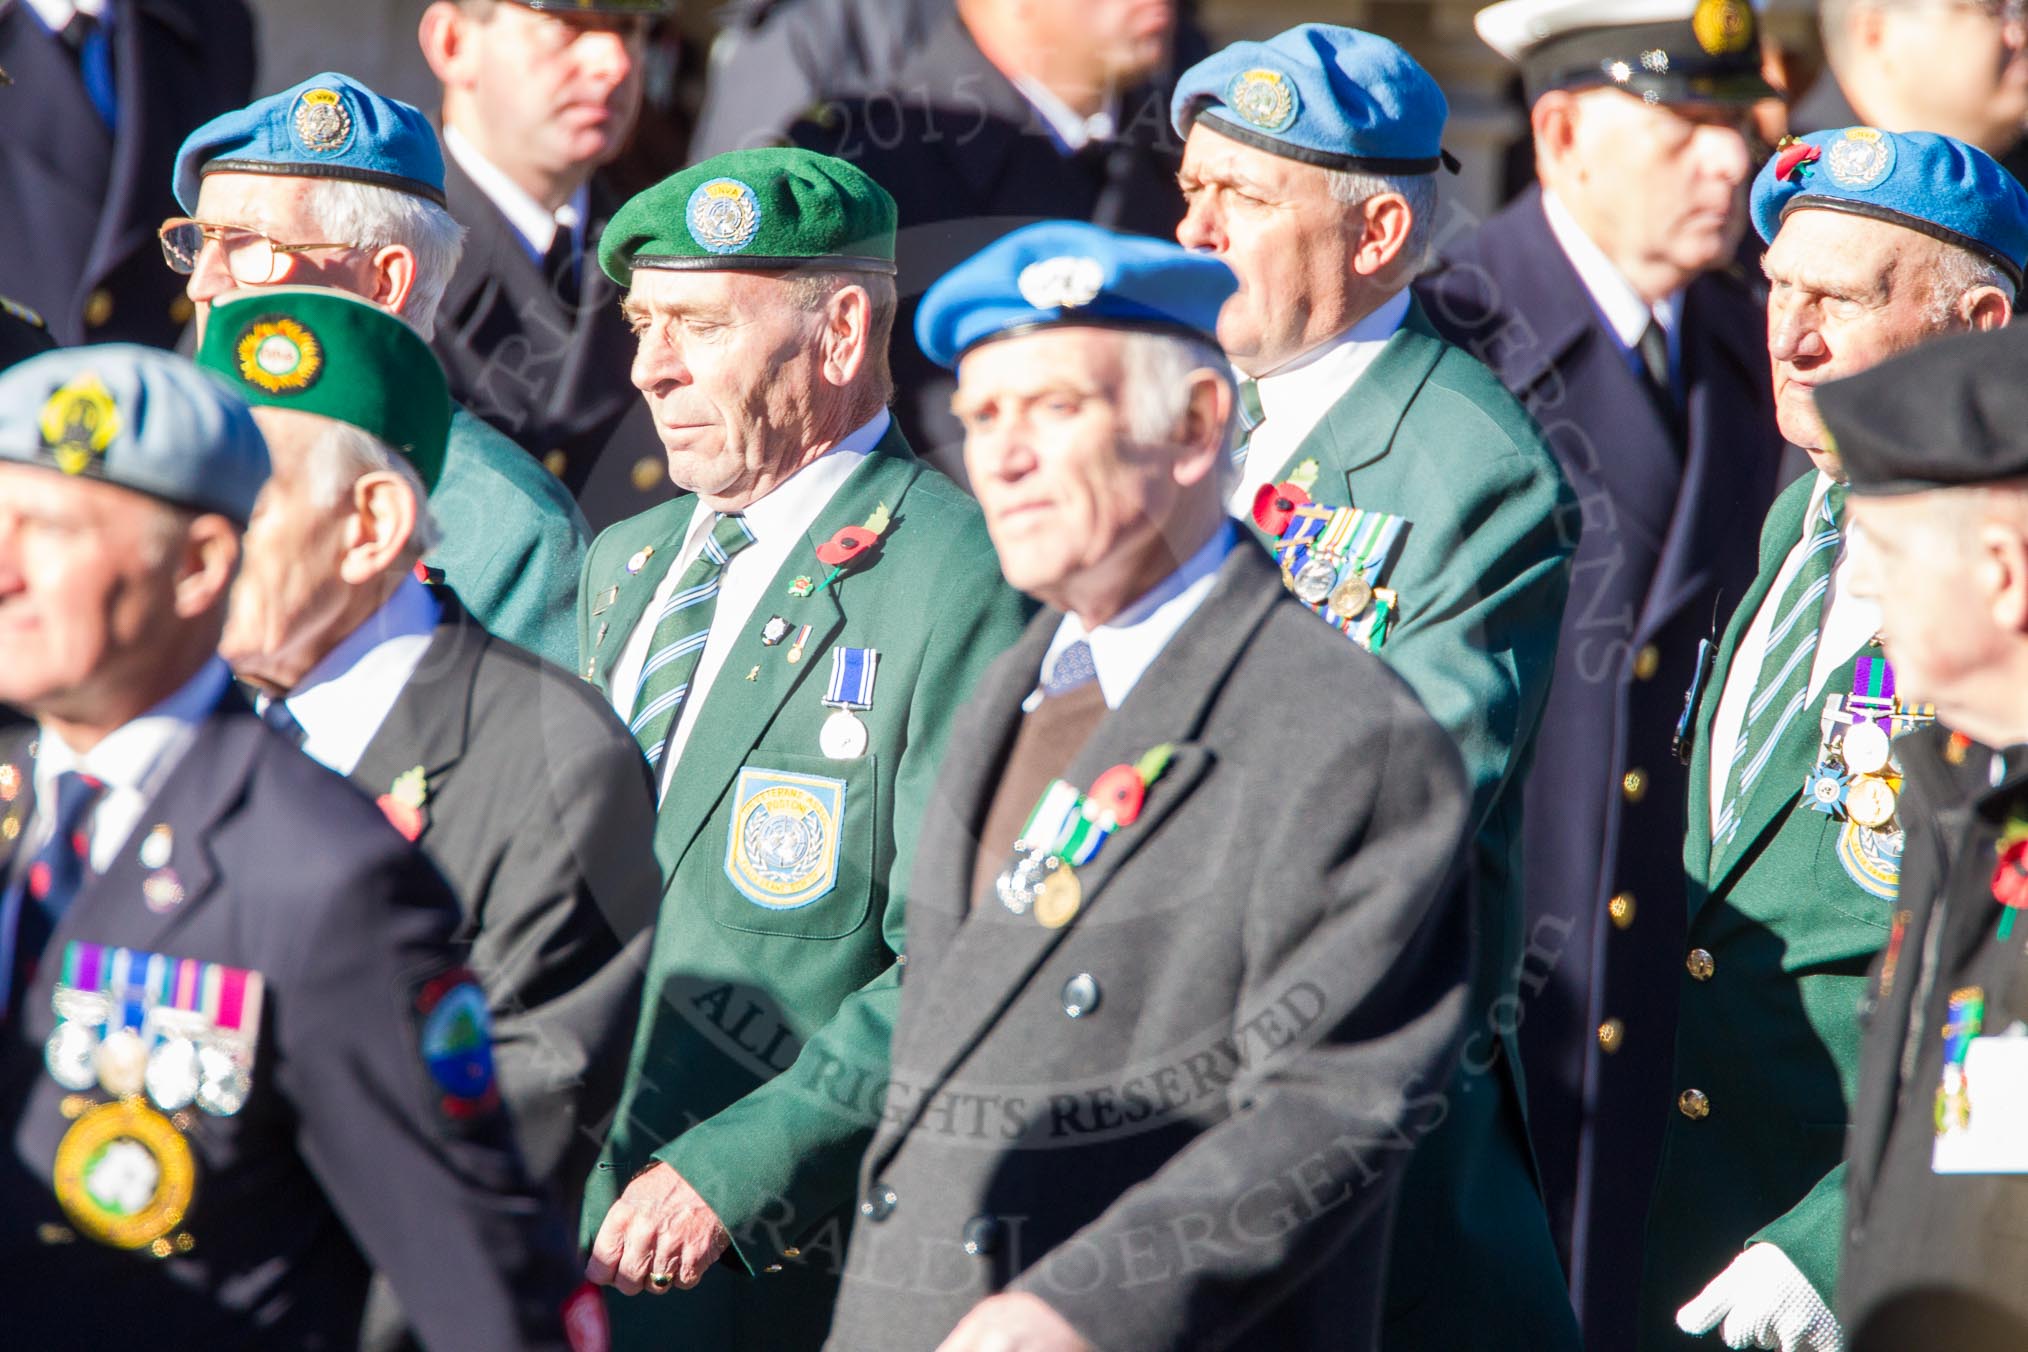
point(764, 210)
point(331, 353)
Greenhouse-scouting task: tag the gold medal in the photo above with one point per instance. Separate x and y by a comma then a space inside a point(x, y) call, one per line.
point(1059, 897)
point(122, 1062)
point(124, 1174)
point(1351, 597)
point(1870, 802)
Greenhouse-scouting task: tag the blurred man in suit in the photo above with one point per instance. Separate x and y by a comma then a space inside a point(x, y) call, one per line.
point(1603, 299)
point(104, 91)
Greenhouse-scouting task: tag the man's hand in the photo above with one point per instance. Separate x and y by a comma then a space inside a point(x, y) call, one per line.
point(659, 1228)
point(1013, 1322)
point(1765, 1302)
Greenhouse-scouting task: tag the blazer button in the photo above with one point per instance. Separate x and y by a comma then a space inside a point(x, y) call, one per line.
point(1621, 909)
point(1634, 785)
point(1693, 1105)
point(556, 462)
point(1700, 964)
point(879, 1203)
point(98, 309)
point(1610, 1034)
point(1080, 995)
point(650, 473)
point(982, 1236)
point(180, 310)
point(1647, 662)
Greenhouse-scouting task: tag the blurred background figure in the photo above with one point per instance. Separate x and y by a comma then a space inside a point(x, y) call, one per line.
point(104, 91)
point(1009, 111)
point(537, 97)
point(1606, 298)
point(1959, 67)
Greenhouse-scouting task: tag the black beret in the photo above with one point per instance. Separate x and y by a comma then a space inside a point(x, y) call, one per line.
point(1951, 413)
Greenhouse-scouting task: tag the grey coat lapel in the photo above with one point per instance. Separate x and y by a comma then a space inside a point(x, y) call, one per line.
point(426, 727)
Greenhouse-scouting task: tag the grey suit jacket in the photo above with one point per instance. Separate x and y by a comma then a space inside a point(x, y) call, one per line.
point(1269, 978)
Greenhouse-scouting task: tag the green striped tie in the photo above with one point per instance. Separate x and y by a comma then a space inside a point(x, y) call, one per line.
point(1783, 686)
point(1251, 416)
point(678, 643)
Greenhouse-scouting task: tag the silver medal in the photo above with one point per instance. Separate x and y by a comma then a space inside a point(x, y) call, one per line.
point(1314, 580)
point(1021, 880)
point(222, 1084)
point(843, 736)
point(1865, 749)
point(173, 1073)
point(68, 1054)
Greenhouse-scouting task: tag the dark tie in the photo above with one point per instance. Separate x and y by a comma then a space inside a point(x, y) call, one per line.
point(1049, 739)
point(559, 265)
point(86, 36)
point(1654, 354)
point(53, 878)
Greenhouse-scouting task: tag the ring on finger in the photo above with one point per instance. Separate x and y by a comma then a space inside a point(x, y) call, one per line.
point(661, 1281)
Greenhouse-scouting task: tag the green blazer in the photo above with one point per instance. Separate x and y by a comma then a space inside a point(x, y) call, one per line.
point(513, 540)
point(1429, 434)
point(1770, 1036)
point(761, 1052)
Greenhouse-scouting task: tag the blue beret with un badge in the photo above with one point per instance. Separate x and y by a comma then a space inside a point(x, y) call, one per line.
point(1937, 185)
point(137, 417)
point(1329, 96)
point(329, 126)
point(1071, 273)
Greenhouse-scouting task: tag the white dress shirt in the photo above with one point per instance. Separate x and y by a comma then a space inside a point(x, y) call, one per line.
point(132, 761)
point(1295, 398)
point(1074, 130)
point(536, 224)
point(1847, 623)
point(342, 701)
point(779, 522)
point(1123, 648)
point(56, 14)
point(1625, 313)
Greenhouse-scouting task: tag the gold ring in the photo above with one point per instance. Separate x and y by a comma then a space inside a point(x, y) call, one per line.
point(661, 1281)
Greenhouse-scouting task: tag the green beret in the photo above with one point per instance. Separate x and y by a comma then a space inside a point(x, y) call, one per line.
point(761, 210)
point(332, 353)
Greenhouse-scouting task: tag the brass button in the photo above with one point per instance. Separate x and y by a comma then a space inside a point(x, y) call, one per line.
point(1634, 784)
point(180, 310)
point(771, 1269)
point(1693, 1105)
point(1610, 1034)
point(648, 473)
point(98, 308)
point(1646, 662)
point(792, 1252)
point(1621, 909)
point(556, 462)
point(1700, 964)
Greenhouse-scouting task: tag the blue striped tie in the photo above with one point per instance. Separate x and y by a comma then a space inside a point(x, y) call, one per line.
point(1783, 687)
point(678, 642)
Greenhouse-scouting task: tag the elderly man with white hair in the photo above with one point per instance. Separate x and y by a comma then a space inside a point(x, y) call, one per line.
point(330, 184)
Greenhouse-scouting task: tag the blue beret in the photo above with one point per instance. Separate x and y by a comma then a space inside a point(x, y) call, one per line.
point(138, 417)
point(1068, 272)
point(1935, 184)
point(1329, 96)
point(329, 126)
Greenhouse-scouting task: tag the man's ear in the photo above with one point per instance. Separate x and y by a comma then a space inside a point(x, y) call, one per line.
point(848, 326)
point(209, 561)
point(1207, 419)
point(393, 277)
point(383, 521)
point(1985, 308)
point(444, 33)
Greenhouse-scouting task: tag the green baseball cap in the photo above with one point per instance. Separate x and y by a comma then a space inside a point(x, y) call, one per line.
point(768, 209)
point(335, 354)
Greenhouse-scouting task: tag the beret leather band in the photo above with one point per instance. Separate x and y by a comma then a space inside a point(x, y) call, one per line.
point(1874, 211)
point(378, 178)
point(743, 263)
point(1072, 319)
point(1324, 159)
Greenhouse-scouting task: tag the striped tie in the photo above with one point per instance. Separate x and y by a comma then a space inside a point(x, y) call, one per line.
point(1783, 687)
point(1251, 416)
point(680, 632)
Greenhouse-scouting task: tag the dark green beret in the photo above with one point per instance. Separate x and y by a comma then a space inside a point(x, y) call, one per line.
point(759, 210)
point(1951, 413)
point(332, 353)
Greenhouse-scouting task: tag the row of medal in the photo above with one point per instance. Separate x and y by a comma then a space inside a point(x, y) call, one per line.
point(1332, 559)
point(1856, 777)
point(1065, 831)
point(180, 1030)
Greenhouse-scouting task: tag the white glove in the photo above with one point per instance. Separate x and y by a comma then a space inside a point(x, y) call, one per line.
point(1765, 1302)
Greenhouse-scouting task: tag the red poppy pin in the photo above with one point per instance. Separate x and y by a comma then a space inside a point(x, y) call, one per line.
point(402, 804)
point(850, 545)
point(2010, 874)
point(1792, 156)
point(1275, 505)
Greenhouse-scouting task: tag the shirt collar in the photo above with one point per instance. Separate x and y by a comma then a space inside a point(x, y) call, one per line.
point(139, 754)
point(1070, 128)
point(1323, 367)
point(55, 14)
point(795, 502)
point(1123, 648)
point(1624, 310)
point(535, 223)
point(364, 674)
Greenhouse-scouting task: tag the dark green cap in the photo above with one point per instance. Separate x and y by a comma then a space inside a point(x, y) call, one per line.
point(755, 210)
point(335, 354)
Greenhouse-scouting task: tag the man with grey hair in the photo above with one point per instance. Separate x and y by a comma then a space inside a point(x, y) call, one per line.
point(515, 779)
point(1413, 506)
point(1605, 300)
point(330, 184)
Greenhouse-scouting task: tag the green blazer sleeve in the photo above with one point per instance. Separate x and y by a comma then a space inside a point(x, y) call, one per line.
point(797, 1139)
point(1810, 1233)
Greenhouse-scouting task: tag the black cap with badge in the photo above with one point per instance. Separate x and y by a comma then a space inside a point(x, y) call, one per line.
point(1666, 51)
point(1952, 413)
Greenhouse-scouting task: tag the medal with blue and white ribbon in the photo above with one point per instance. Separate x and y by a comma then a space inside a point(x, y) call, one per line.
point(852, 673)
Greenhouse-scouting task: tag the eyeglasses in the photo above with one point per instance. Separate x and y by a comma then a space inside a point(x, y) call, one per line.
point(251, 257)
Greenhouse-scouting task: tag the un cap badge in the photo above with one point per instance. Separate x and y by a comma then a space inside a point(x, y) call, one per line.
point(1264, 98)
point(79, 422)
point(1859, 160)
point(1061, 283)
point(723, 215)
point(322, 124)
point(279, 355)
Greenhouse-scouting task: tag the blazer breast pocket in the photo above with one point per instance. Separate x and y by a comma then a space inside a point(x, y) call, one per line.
point(798, 849)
